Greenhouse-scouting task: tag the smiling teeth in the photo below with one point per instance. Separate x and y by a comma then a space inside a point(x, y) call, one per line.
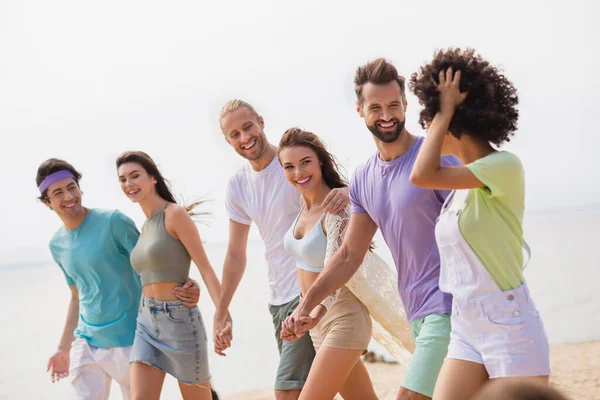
point(303, 180)
point(250, 146)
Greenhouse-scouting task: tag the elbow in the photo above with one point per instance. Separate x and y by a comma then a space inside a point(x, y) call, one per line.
point(417, 178)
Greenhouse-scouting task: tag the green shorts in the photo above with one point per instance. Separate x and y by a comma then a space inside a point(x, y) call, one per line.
point(295, 357)
point(432, 336)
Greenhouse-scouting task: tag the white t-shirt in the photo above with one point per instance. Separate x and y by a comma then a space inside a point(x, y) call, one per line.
point(266, 198)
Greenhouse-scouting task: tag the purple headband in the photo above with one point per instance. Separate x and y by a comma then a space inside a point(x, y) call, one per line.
point(54, 177)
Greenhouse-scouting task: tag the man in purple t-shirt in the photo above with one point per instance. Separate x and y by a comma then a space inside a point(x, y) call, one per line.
point(383, 197)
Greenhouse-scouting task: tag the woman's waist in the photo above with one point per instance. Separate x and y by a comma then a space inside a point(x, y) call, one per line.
point(306, 279)
point(161, 291)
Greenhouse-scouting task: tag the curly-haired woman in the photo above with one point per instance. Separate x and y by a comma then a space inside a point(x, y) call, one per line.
point(497, 332)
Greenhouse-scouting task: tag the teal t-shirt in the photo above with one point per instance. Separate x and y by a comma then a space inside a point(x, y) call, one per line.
point(95, 258)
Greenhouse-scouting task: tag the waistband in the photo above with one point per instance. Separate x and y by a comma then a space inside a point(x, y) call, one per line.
point(513, 297)
point(162, 305)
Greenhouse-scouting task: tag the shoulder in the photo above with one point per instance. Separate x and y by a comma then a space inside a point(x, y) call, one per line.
point(238, 179)
point(362, 170)
point(504, 159)
point(56, 239)
point(115, 216)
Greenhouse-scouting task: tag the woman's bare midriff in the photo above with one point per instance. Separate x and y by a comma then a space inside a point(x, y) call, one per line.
point(161, 291)
point(306, 279)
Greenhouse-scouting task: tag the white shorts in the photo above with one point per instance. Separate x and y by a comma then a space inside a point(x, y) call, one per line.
point(93, 369)
point(503, 331)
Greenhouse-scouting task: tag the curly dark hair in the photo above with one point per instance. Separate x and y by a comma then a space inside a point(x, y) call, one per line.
point(489, 111)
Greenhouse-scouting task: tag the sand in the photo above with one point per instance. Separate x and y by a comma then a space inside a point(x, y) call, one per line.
point(575, 372)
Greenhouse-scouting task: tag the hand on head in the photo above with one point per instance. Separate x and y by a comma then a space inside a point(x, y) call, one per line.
point(449, 87)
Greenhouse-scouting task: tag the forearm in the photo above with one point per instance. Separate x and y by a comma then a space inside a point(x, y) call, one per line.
point(233, 270)
point(337, 272)
point(68, 335)
point(212, 284)
point(428, 159)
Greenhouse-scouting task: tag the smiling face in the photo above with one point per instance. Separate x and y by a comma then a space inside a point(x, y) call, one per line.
point(383, 109)
point(64, 197)
point(135, 182)
point(302, 167)
point(243, 130)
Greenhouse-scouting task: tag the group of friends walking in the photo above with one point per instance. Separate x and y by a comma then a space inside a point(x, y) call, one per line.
point(449, 206)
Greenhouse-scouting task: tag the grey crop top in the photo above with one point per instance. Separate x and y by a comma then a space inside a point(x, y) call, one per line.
point(158, 256)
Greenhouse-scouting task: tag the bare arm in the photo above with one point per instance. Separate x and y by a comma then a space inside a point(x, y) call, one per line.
point(342, 266)
point(186, 231)
point(233, 270)
point(235, 262)
point(58, 364)
point(427, 172)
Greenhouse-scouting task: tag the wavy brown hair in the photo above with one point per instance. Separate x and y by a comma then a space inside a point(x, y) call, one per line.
point(329, 165)
point(163, 187)
point(490, 110)
point(330, 168)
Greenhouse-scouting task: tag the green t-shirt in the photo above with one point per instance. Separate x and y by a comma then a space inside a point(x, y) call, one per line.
point(492, 219)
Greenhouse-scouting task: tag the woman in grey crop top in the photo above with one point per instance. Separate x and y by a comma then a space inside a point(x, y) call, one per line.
point(340, 327)
point(170, 337)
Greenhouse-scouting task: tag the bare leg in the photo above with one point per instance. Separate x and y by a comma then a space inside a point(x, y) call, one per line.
point(146, 381)
point(195, 392)
point(358, 385)
point(330, 370)
point(459, 379)
point(287, 394)
point(542, 379)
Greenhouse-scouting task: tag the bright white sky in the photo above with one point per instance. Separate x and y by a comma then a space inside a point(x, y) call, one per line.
point(85, 81)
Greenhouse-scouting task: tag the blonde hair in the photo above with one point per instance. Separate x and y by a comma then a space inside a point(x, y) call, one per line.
point(234, 105)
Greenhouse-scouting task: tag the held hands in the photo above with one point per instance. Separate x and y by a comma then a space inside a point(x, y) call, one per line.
point(298, 323)
point(336, 200)
point(450, 94)
point(189, 293)
point(222, 333)
point(58, 365)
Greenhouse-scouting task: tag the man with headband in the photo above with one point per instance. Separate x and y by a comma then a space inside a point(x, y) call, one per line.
point(92, 248)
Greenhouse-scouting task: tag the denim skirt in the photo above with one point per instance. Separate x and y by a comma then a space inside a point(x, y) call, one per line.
point(172, 337)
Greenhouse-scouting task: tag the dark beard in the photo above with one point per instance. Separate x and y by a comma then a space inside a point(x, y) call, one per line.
point(385, 136)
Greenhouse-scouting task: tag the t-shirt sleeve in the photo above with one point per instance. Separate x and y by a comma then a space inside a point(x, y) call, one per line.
point(233, 204)
point(501, 173)
point(124, 232)
point(446, 161)
point(68, 278)
point(355, 200)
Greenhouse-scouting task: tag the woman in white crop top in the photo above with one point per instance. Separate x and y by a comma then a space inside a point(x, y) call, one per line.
point(341, 325)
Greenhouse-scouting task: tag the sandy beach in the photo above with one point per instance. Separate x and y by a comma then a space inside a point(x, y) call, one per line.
point(574, 372)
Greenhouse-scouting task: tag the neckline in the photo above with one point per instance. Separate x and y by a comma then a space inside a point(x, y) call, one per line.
point(418, 140)
point(76, 229)
point(308, 231)
point(160, 211)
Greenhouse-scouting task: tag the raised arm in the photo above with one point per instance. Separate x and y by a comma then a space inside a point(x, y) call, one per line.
point(427, 171)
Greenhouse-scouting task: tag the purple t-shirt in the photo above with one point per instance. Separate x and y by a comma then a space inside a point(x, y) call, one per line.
point(406, 216)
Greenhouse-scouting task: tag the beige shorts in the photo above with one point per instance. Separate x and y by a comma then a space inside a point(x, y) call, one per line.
point(347, 325)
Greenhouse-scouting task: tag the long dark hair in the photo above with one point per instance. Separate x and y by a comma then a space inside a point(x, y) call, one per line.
point(163, 187)
point(330, 168)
